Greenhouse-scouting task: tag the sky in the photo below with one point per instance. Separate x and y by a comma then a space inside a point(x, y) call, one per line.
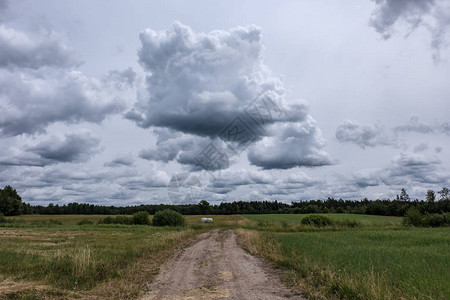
point(145, 102)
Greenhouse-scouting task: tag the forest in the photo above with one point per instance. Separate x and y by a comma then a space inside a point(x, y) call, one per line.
point(11, 204)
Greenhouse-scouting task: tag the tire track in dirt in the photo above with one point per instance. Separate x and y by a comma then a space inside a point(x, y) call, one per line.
point(216, 267)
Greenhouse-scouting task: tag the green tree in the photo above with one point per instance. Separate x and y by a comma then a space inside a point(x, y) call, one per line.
point(204, 207)
point(431, 196)
point(444, 193)
point(10, 202)
point(404, 195)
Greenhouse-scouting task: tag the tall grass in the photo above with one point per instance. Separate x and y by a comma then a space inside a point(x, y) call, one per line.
point(106, 261)
point(360, 264)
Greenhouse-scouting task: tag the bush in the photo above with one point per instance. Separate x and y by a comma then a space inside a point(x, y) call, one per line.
point(141, 218)
point(2, 218)
point(316, 220)
point(168, 217)
point(434, 220)
point(413, 217)
point(117, 220)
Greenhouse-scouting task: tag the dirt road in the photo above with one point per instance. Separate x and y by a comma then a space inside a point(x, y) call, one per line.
point(216, 267)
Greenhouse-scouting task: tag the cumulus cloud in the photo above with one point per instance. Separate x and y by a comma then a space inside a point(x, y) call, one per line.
point(361, 135)
point(406, 169)
point(73, 147)
point(416, 126)
point(229, 181)
point(216, 85)
point(122, 79)
point(418, 168)
point(39, 84)
point(20, 50)
point(186, 149)
point(294, 184)
point(290, 145)
point(433, 15)
point(121, 161)
point(30, 101)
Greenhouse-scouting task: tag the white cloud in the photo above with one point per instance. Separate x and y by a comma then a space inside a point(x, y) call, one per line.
point(198, 83)
point(290, 145)
point(362, 135)
point(73, 147)
point(433, 15)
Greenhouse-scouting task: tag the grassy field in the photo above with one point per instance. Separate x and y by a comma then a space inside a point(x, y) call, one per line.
point(53, 257)
point(39, 220)
point(359, 263)
point(44, 259)
point(296, 218)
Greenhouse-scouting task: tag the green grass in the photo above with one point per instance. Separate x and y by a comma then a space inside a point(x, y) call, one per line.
point(380, 259)
point(367, 220)
point(85, 259)
point(64, 219)
point(363, 263)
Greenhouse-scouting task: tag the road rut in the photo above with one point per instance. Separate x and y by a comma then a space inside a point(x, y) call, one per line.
point(216, 267)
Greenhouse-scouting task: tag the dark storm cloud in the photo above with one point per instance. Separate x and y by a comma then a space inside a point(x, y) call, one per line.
point(198, 83)
point(433, 15)
point(361, 135)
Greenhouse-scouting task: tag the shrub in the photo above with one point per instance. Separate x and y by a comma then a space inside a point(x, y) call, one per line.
point(168, 217)
point(117, 220)
point(2, 218)
point(141, 218)
point(413, 217)
point(316, 220)
point(434, 220)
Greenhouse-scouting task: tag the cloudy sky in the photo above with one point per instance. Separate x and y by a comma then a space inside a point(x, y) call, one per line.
point(117, 102)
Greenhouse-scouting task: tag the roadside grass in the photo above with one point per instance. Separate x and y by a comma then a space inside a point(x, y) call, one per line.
point(107, 261)
point(360, 263)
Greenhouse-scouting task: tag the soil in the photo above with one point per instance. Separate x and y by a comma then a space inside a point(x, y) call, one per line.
point(216, 267)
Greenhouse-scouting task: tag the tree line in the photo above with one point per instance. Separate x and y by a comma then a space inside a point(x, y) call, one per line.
point(11, 204)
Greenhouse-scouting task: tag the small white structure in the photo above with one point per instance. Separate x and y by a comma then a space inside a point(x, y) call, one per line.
point(207, 220)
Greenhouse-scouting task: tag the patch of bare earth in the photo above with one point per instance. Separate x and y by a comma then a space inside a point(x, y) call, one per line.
point(216, 267)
